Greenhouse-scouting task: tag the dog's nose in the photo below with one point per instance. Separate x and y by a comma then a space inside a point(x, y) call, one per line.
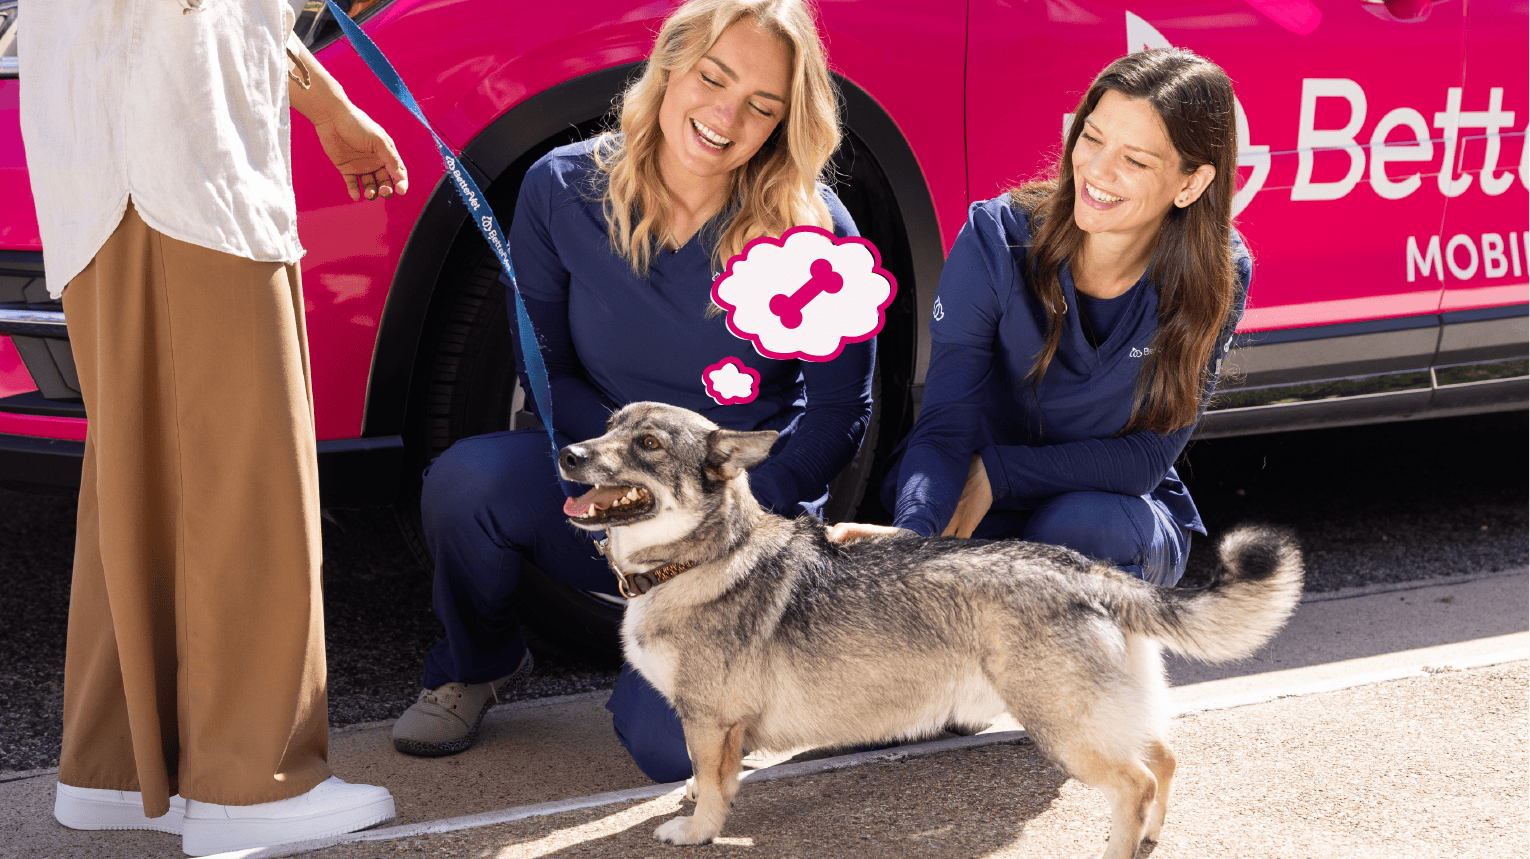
point(572, 457)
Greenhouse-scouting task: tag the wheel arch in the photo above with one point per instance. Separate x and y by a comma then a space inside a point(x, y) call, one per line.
point(443, 223)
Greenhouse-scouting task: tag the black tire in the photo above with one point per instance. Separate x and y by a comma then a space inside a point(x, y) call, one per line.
point(849, 487)
point(469, 379)
point(471, 388)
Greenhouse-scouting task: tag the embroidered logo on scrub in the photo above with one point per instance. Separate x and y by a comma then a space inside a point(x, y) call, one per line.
point(1141, 353)
point(940, 312)
point(802, 296)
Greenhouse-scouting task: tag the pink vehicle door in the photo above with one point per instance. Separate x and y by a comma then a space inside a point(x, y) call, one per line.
point(1482, 252)
point(1320, 87)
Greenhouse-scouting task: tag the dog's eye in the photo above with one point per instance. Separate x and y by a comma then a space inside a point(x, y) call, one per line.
point(649, 442)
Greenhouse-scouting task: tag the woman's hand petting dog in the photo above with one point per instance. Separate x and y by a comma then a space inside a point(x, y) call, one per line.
point(977, 498)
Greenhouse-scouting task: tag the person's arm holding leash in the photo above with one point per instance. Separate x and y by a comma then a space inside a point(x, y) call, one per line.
point(359, 148)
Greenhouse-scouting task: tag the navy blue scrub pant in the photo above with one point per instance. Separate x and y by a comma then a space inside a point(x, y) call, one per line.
point(492, 502)
point(1133, 532)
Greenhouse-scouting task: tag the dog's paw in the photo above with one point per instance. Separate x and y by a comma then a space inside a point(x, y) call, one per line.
point(682, 830)
point(690, 789)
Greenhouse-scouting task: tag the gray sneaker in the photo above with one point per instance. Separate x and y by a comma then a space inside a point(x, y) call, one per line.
point(444, 720)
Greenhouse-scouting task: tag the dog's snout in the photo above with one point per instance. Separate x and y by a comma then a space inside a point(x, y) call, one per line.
point(572, 457)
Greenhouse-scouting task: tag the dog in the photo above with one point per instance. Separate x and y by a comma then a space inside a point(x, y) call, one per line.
point(764, 634)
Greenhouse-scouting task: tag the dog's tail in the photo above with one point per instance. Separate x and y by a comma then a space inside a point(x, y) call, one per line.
point(1244, 606)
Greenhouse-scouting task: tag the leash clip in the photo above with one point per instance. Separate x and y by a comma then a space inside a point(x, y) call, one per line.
point(626, 586)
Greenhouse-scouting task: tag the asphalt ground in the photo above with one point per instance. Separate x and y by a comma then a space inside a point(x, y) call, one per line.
point(1371, 505)
point(1382, 771)
point(1330, 740)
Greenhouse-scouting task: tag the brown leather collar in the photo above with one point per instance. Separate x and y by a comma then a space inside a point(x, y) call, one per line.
point(634, 585)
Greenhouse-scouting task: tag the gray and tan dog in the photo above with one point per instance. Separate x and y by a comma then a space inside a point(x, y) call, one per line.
point(763, 634)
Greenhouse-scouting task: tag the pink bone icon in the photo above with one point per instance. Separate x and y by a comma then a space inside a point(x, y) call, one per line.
point(788, 305)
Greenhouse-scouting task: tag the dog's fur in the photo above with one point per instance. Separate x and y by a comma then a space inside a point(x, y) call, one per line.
point(779, 639)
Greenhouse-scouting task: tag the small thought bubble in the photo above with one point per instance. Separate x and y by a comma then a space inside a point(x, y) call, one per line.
point(806, 294)
point(729, 382)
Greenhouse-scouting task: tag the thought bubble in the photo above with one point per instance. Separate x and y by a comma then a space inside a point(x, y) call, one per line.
point(729, 382)
point(806, 294)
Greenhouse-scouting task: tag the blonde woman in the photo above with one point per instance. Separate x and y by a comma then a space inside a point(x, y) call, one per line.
point(616, 241)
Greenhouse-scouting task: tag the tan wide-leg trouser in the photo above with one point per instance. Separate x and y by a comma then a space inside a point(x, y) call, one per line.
point(195, 659)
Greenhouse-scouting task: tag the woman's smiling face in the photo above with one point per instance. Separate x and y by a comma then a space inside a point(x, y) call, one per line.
point(1127, 173)
point(716, 114)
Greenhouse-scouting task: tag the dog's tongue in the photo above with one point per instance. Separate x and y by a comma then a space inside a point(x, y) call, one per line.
point(600, 496)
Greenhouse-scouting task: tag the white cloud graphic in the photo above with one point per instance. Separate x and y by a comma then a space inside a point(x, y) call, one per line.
point(729, 381)
point(806, 294)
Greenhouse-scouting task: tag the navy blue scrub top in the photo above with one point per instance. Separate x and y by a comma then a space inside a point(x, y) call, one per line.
point(1062, 436)
point(611, 337)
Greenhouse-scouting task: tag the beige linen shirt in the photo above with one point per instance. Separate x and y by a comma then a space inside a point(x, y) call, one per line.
point(180, 105)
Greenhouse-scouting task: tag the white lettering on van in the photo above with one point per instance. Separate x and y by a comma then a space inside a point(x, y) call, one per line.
point(1498, 257)
point(1383, 153)
point(1466, 272)
point(1426, 260)
point(1494, 263)
point(1309, 138)
point(1452, 178)
point(1493, 120)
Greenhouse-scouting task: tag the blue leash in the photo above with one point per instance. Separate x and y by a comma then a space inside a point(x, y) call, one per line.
point(467, 189)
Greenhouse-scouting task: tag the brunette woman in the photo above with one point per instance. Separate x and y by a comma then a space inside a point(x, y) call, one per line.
point(1079, 331)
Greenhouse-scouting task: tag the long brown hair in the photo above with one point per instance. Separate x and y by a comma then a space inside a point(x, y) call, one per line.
point(1192, 262)
point(771, 193)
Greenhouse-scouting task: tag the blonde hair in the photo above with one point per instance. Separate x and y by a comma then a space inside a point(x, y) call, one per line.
point(771, 193)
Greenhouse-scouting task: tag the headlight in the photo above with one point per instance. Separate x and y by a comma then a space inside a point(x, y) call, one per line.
point(8, 38)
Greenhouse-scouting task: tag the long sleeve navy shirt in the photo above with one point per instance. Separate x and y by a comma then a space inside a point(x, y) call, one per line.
point(610, 337)
point(1063, 436)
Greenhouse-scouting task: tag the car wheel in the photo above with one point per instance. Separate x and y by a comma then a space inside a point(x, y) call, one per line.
point(470, 388)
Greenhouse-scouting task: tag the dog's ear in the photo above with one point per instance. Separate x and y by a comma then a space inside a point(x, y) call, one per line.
point(730, 452)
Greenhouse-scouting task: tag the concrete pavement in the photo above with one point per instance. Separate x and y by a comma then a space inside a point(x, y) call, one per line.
point(1386, 722)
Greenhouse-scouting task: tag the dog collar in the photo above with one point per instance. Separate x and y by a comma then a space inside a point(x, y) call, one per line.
point(634, 585)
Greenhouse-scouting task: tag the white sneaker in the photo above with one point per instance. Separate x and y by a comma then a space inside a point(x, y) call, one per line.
point(332, 808)
point(90, 808)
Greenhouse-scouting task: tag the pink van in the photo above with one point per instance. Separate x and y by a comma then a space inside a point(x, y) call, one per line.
point(1384, 196)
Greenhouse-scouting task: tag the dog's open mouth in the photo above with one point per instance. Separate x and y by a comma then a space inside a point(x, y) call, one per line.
point(609, 504)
